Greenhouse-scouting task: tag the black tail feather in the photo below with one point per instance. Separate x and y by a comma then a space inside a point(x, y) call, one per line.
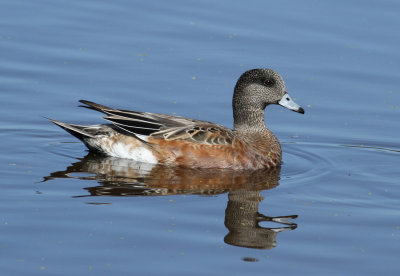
point(75, 130)
point(94, 106)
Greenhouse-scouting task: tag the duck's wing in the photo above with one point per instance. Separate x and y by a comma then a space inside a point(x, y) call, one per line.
point(167, 127)
point(199, 132)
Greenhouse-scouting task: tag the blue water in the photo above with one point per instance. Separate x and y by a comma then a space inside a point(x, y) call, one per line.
point(332, 208)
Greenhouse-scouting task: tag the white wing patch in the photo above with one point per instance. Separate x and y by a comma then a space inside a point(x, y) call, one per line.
point(143, 137)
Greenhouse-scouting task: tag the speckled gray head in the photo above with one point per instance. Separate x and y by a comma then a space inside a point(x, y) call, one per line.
point(255, 90)
point(261, 87)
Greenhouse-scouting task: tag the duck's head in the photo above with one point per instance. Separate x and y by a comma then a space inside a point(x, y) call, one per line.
point(261, 87)
point(255, 90)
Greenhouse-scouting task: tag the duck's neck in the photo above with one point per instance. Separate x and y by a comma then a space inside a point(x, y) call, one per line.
point(249, 119)
point(248, 111)
point(251, 125)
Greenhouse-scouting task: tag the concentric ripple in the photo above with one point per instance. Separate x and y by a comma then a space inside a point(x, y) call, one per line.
point(307, 161)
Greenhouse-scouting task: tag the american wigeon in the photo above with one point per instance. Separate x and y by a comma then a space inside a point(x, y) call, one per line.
point(158, 138)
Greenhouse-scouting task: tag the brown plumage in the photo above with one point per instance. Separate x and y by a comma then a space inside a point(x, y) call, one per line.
point(159, 138)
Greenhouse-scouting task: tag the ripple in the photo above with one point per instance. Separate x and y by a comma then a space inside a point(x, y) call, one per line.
point(308, 161)
point(373, 148)
point(65, 149)
point(304, 161)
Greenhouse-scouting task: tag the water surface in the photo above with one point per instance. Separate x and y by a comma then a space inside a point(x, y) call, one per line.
point(331, 209)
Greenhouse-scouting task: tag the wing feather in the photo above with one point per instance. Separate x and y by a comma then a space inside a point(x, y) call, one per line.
point(166, 127)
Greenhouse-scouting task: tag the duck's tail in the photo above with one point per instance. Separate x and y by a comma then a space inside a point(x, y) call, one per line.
point(95, 106)
point(76, 130)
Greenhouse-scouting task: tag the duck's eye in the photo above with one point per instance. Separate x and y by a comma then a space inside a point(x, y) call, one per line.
point(288, 99)
point(269, 82)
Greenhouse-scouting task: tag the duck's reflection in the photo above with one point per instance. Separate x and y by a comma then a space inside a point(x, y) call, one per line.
point(243, 221)
point(122, 177)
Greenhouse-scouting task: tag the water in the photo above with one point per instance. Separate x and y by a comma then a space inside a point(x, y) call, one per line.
point(331, 209)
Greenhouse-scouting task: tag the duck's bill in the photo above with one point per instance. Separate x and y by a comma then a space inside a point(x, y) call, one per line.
point(287, 102)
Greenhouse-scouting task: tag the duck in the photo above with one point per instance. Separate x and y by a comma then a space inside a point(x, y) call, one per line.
point(178, 141)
